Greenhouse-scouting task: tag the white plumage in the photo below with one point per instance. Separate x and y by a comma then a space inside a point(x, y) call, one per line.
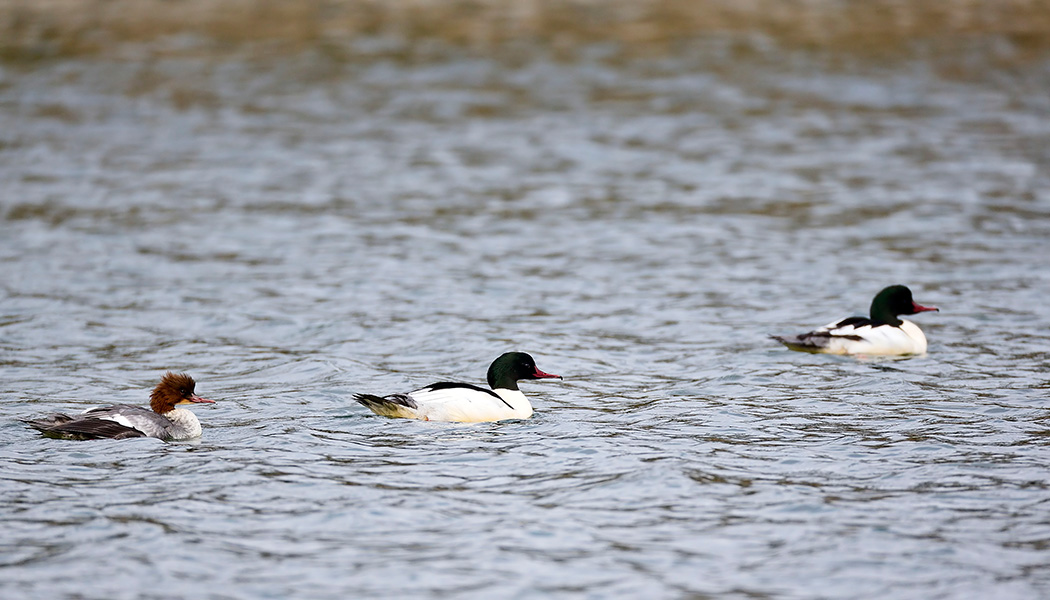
point(463, 402)
point(883, 333)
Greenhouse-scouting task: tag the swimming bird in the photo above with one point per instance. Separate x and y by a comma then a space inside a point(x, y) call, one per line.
point(162, 420)
point(463, 402)
point(883, 333)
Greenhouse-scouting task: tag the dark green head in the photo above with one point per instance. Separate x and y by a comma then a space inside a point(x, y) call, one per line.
point(506, 370)
point(892, 301)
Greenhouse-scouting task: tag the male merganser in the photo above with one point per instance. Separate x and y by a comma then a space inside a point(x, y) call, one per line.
point(883, 333)
point(121, 421)
point(463, 402)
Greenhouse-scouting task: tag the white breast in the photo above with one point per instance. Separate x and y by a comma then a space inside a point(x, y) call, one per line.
point(184, 424)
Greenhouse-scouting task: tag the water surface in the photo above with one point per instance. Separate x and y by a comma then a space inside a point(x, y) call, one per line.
point(294, 229)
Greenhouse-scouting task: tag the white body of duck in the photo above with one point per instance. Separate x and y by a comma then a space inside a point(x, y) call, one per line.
point(463, 402)
point(881, 334)
point(162, 420)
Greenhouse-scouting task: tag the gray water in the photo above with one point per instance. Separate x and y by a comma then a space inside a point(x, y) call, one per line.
point(296, 228)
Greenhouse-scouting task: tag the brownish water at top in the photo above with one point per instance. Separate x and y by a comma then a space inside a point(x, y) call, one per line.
point(58, 27)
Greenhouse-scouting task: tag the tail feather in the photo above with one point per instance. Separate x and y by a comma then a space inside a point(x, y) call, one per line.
point(394, 405)
point(66, 427)
point(48, 422)
point(806, 342)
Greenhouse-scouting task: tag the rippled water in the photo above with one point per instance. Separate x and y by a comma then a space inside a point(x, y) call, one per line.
point(295, 229)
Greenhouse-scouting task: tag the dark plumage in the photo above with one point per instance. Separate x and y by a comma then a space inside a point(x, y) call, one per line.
point(83, 427)
point(384, 404)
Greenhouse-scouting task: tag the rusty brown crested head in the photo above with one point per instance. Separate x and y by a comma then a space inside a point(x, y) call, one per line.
point(174, 388)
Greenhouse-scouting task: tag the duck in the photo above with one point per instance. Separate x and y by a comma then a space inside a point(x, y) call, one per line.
point(465, 402)
point(161, 420)
point(882, 333)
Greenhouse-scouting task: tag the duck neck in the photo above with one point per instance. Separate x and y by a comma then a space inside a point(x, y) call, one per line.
point(184, 424)
point(518, 402)
point(501, 378)
point(880, 313)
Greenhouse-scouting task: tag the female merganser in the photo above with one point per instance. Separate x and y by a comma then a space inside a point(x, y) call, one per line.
point(121, 421)
point(883, 333)
point(463, 402)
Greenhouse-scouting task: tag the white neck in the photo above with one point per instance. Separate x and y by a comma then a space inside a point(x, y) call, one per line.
point(184, 424)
